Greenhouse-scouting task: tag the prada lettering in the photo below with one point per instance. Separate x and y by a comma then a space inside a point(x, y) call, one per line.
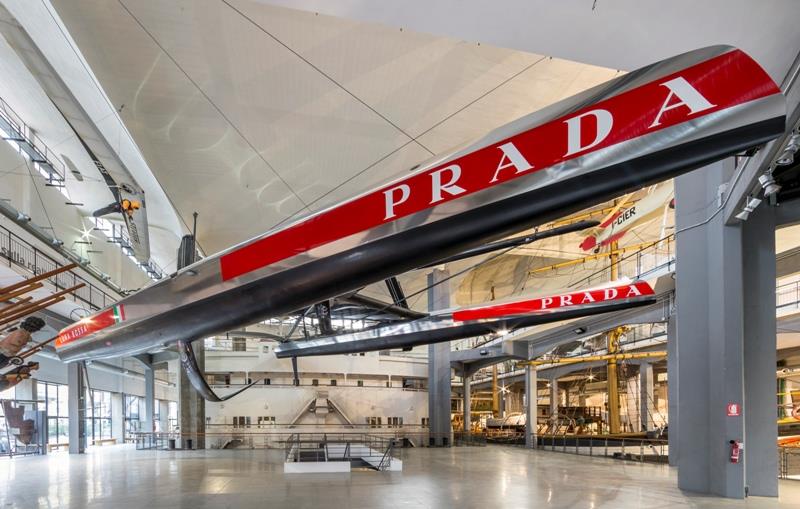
point(557, 302)
point(720, 82)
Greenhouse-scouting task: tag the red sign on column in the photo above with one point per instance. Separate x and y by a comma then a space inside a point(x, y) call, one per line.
point(734, 409)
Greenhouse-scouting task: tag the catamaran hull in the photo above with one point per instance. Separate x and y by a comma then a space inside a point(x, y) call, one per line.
point(430, 331)
point(330, 254)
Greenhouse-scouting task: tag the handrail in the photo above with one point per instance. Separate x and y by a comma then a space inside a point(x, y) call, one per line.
point(384, 464)
point(19, 252)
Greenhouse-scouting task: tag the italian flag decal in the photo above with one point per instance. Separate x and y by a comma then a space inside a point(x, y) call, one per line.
point(91, 324)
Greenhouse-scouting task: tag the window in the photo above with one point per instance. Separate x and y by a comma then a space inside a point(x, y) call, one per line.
point(134, 413)
point(173, 416)
point(239, 344)
point(333, 383)
point(266, 421)
point(425, 421)
point(241, 422)
point(315, 382)
point(98, 415)
point(360, 383)
point(394, 422)
point(218, 378)
point(374, 422)
point(55, 396)
point(157, 416)
point(388, 383)
point(6, 394)
point(267, 381)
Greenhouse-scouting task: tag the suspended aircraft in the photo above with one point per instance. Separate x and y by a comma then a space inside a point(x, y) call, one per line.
point(628, 215)
point(647, 126)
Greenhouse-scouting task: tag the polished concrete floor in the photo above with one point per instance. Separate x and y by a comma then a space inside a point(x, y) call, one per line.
point(489, 478)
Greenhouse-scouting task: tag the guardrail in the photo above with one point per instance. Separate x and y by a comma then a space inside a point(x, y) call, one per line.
point(16, 131)
point(789, 463)
point(788, 296)
point(286, 440)
point(644, 450)
point(23, 254)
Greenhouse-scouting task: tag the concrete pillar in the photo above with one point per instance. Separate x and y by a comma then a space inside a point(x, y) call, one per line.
point(646, 396)
point(191, 406)
point(673, 384)
point(710, 337)
point(760, 345)
point(26, 390)
point(439, 365)
point(76, 407)
point(467, 403)
point(117, 417)
point(531, 393)
point(148, 424)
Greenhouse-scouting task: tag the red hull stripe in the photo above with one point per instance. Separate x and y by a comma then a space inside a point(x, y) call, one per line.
point(556, 302)
point(90, 325)
point(725, 81)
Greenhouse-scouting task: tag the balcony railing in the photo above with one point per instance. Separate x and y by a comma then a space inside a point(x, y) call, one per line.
point(18, 252)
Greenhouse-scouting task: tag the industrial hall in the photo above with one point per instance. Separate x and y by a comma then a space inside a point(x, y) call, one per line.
point(423, 254)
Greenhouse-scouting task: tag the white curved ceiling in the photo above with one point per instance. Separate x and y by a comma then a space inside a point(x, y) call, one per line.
point(249, 113)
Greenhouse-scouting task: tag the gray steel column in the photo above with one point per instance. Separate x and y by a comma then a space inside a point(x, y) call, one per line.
point(531, 409)
point(646, 396)
point(467, 402)
point(439, 365)
point(673, 385)
point(709, 334)
point(76, 407)
point(760, 345)
point(148, 425)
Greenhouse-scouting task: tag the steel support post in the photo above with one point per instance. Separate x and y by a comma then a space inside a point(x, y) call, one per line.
point(760, 348)
point(149, 400)
point(467, 402)
point(439, 365)
point(646, 396)
point(711, 319)
point(76, 407)
point(530, 407)
point(673, 386)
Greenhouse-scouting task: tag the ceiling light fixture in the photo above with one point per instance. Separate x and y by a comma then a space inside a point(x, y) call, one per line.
point(750, 206)
point(767, 182)
point(787, 156)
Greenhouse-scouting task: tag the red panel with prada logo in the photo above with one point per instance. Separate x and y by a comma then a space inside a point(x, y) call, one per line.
point(557, 302)
point(710, 86)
